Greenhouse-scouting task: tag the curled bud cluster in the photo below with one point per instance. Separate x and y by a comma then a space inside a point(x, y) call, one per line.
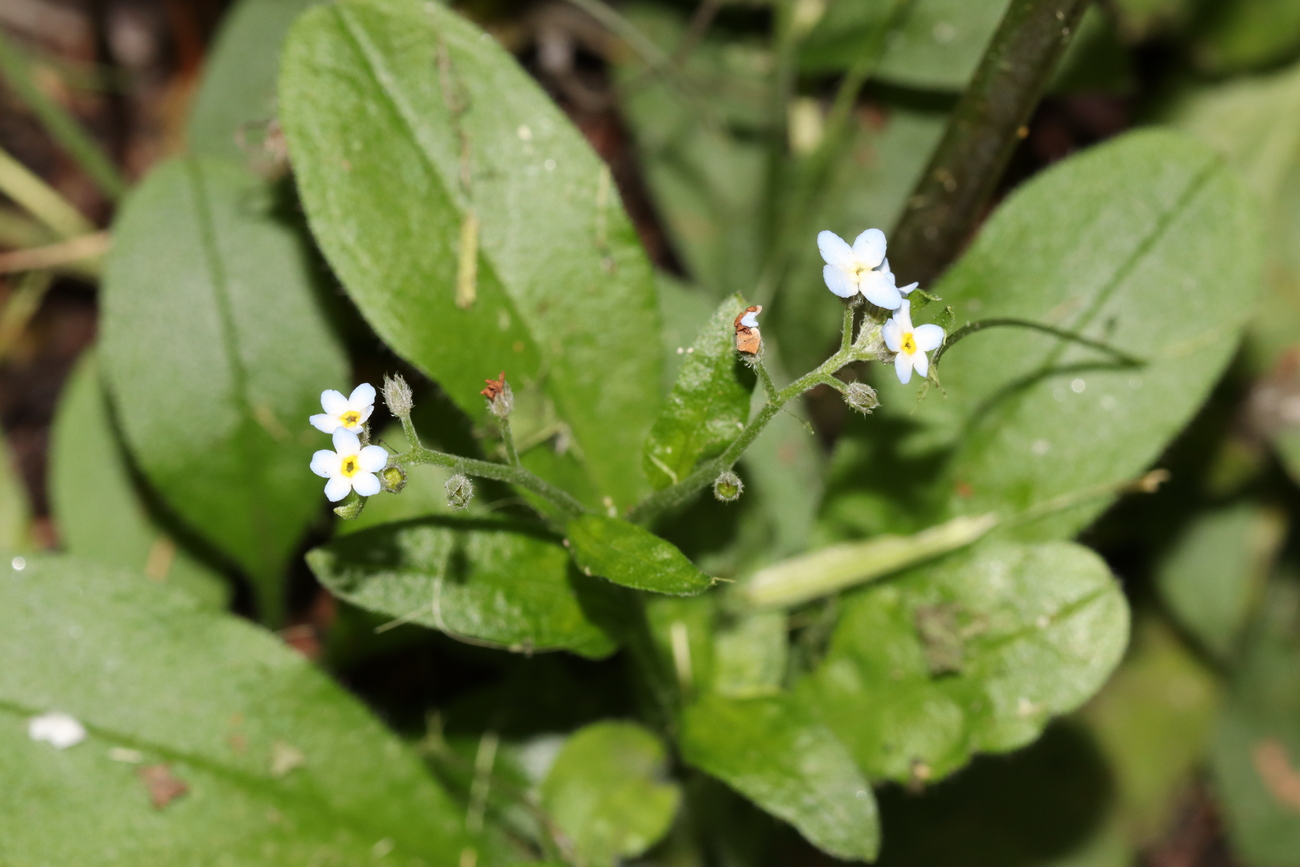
point(500, 397)
point(728, 487)
point(397, 396)
point(861, 397)
point(460, 491)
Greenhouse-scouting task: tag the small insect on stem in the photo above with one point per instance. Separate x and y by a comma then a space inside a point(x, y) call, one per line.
point(749, 340)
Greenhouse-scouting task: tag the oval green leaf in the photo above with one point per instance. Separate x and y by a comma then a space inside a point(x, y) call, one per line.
point(632, 556)
point(470, 222)
point(973, 654)
point(709, 403)
point(280, 766)
point(770, 751)
point(484, 579)
point(99, 503)
point(215, 349)
point(606, 791)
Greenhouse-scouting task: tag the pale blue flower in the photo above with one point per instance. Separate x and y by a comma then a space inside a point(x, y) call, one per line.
point(857, 269)
point(909, 344)
point(348, 413)
point(349, 467)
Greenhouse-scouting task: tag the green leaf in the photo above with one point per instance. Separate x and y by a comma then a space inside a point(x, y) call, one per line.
point(973, 654)
point(215, 350)
point(937, 45)
point(749, 654)
point(1126, 244)
point(606, 792)
point(425, 155)
point(487, 579)
point(102, 510)
point(1213, 577)
point(1153, 720)
point(634, 557)
point(1255, 758)
point(1246, 34)
point(239, 77)
point(281, 765)
point(709, 405)
point(790, 765)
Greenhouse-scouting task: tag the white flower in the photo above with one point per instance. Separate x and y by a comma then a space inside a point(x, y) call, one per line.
point(904, 290)
point(348, 413)
point(910, 344)
point(850, 270)
point(57, 729)
point(349, 467)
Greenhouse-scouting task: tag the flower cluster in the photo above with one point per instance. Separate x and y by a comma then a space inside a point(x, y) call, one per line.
point(862, 269)
point(351, 466)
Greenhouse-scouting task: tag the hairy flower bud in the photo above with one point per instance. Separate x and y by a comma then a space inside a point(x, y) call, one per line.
point(460, 491)
point(500, 397)
point(393, 479)
point(397, 395)
point(727, 487)
point(861, 397)
point(351, 507)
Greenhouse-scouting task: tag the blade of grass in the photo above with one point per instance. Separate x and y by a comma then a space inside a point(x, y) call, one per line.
point(40, 199)
point(58, 256)
point(981, 136)
point(62, 126)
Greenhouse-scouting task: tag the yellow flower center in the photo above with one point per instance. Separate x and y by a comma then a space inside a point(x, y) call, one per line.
point(350, 466)
point(909, 343)
point(351, 418)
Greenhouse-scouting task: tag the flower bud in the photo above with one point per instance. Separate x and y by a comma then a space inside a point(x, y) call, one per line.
point(500, 397)
point(861, 397)
point(460, 491)
point(727, 487)
point(393, 479)
point(397, 396)
point(351, 507)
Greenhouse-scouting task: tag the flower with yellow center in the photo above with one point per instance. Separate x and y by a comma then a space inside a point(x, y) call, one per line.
point(910, 344)
point(345, 413)
point(860, 268)
point(349, 467)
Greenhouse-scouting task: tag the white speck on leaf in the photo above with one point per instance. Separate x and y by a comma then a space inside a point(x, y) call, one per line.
point(1077, 386)
point(59, 730)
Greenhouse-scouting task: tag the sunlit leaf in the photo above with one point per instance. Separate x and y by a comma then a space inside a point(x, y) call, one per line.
point(215, 350)
point(278, 764)
point(634, 557)
point(472, 225)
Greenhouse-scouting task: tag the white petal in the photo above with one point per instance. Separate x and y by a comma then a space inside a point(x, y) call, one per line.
point(346, 442)
point(366, 484)
point(904, 315)
point(838, 281)
point(907, 290)
point(373, 458)
point(884, 268)
point(325, 464)
point(362, 396)
point(57, 729)
point(749, 320)
point(337, 488)
point(325, 423)
point(366, 413)
point(878, 288)
point(903, 367)
point(928, 337)
point(893, 335)
point(922, 363)
point(333, 402)
point(834, 249)
point(869, 248)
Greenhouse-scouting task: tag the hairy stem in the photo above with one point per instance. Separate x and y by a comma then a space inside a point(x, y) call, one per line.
point(981, 324)
point(981, 135)
point(508, 439)
point(513, 475)
point(704, 475)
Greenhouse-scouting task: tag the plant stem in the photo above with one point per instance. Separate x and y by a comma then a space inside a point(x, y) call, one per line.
point(768, 388)
point(979, 325)
point(508, 438)
point(40, 199)
point(981, 135)
point(846, 340)
point(517, 476)
point(704, 475)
